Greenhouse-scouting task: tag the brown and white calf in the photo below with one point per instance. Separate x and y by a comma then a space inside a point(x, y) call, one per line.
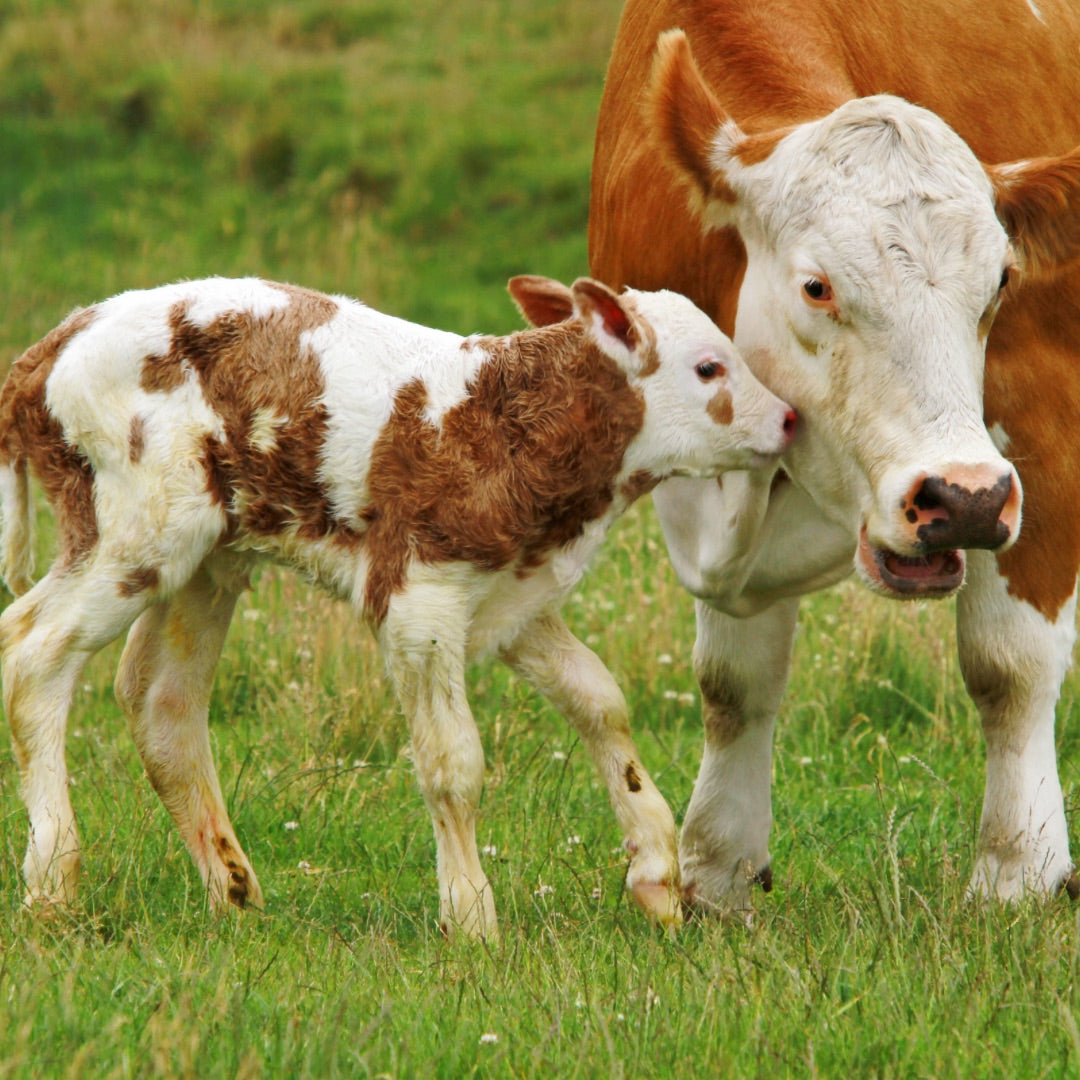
point(450, 489)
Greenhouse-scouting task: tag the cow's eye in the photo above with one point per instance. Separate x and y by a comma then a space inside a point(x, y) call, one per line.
point(1004, 278)
point(709, 369)
point(817, 291)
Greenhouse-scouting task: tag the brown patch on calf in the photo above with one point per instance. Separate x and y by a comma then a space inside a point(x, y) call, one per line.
point(633, 781)
point(721, 408)
point(247, 364)
point(239, 886)
point(516, 469)
point(638, 484)
point(140, 580)
point(136, 439)
point(648, 350)
point(29, 432)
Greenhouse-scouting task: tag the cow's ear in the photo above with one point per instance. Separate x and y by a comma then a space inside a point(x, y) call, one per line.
point(686, 119)
point(608, 319)
point(541, 300)
point(695, 135)
point(1038, 201)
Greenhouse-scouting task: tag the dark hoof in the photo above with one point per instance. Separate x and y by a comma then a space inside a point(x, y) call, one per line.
point(764, 878)
point(1071, 885)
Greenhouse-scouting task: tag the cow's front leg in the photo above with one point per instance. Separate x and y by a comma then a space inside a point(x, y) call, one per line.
point(742, 667)
point(423, 638)
point(574, 679)
point(1014, 659)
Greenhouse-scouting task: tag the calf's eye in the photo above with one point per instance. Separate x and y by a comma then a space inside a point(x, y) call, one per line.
point(709, 369)
point(1004, 278)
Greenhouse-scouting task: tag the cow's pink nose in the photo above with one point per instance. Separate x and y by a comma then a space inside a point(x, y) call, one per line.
point(967, 507)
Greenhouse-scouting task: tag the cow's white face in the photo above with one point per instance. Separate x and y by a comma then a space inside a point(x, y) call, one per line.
point(875, 265)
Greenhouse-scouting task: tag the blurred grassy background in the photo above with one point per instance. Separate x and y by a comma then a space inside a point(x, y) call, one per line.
point(415, 156)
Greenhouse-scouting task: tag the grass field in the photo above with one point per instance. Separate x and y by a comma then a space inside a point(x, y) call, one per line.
point(416, 155)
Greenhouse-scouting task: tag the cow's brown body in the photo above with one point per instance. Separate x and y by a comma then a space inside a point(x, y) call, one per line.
point(1005, 74)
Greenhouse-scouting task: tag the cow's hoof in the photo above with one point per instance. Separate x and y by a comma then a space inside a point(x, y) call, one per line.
point(1071, 885)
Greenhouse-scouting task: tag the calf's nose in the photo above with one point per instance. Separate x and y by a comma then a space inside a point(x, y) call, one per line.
point(791, 421)
point(966, 507)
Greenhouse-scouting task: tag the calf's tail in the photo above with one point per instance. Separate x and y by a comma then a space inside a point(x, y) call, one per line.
point(16, 526)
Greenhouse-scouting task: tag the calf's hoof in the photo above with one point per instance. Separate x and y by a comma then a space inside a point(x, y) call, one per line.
point(660, 902)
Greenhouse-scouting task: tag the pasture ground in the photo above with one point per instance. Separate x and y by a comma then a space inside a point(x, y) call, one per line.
point(416, 155)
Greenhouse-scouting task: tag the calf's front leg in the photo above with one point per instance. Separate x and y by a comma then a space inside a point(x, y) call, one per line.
point(423, 638)
point(574, 679)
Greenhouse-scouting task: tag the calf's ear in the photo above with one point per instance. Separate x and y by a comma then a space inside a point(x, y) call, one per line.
point(1038, 202)
point(611, 323)
point(541, 300)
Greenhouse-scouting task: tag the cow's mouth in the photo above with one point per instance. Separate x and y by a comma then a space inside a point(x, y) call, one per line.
point(938, 573)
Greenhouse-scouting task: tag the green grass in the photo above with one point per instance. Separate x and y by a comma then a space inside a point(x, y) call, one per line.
point(417, 155)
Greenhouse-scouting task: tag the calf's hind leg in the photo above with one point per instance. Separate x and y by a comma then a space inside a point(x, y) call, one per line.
point(163, 684)
point(574, 679)
point(46, 637)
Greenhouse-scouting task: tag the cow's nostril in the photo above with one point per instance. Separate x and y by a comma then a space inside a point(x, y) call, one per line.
point(925, 497)
point(951, 514)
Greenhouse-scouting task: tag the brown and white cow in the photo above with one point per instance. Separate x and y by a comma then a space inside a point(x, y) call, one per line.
point(857, 190)
point(450, 489)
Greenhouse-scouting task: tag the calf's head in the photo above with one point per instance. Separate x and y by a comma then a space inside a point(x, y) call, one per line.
point(705, 412)
point(877, 258)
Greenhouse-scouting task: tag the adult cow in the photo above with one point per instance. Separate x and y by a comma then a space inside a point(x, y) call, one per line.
point(858, 247)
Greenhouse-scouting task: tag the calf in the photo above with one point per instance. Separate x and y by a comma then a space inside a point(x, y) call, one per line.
point(450, 489)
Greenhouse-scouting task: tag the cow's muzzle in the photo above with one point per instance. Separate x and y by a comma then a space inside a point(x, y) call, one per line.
point(938, 517)
point(966, 509)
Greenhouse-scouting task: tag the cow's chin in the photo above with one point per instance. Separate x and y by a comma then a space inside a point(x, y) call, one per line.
point(903, 577)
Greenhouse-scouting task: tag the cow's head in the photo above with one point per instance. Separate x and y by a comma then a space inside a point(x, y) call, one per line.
point(876, 261)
